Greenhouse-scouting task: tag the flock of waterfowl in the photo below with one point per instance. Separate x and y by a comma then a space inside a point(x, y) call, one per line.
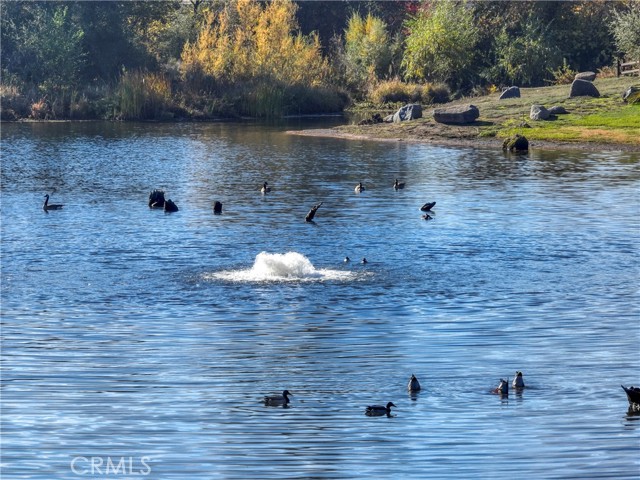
point(157, 200)
point(633, 395)
point(413, 387)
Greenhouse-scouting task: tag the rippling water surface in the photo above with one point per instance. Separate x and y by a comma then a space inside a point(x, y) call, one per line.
point(131, 333)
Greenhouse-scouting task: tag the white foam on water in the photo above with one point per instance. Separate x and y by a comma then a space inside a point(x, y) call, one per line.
point(281, 267)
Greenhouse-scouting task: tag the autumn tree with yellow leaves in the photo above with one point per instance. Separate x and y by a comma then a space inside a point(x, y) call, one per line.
point(248, 42)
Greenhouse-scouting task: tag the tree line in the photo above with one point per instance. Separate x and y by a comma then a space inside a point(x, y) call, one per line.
point(211, 58)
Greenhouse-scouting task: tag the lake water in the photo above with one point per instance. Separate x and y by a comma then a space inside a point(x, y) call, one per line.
point(144, 342)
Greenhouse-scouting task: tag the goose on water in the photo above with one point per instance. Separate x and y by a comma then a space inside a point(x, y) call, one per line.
point(277, 400)
point(54, 206)
point(414, 384)
point(359, 188)
point(312, 212)
point(265, 188)
point(518, 381)
point(170, 206)
point(379, 410)
point(156, 199)
point(398, 185)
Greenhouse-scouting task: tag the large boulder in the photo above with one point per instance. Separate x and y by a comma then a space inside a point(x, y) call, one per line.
point(583, 88)
point(632, 95)
point(511, 92)
point(458, 115)
point(408, 112)
point(517, 143)
point(539, 112)
point(588, 76)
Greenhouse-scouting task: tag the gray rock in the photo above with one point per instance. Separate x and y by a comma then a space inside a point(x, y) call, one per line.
point(459, 115)
point(557, 110)
point(583, 88)
point(408, 112)
point(588, 76)
point(511, 92)
point(538, 112)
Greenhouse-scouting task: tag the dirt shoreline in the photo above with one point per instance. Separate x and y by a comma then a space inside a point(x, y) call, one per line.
point(469, 142)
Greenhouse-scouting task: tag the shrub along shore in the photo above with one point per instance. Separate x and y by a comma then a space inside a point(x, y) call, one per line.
point(602, 123)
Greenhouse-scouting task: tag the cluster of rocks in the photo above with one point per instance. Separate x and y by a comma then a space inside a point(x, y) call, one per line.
point(540, 112)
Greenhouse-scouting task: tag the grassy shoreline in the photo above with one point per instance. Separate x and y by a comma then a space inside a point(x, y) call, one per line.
point(591, 124)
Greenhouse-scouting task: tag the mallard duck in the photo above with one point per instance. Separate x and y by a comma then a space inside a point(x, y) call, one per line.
point(54, 206)
point(502, 388)
point(170, 206)
point(359, 188)
point(633, 395)
point(312, 212)
point(518, 381)
point(217, 207)
point(398, 185)
point(265, 188)
point(414, 384)
point(428, 206)
point(379, 410)
point(277, 400)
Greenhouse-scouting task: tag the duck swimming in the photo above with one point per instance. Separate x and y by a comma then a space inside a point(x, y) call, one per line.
point(518, 381)
point(426, 216)
point(265, 188)
point(502, 388)
point(359, 188)
point(398, 185)
point(428, 206)
point(217, 207)
point(54, 206)
point(347, 259)
point(379, 410)
point(277, 400)
point(364, 260)
point(414, 384)
point(633, 395)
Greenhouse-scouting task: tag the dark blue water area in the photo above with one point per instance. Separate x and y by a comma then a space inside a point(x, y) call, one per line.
point(130, 333)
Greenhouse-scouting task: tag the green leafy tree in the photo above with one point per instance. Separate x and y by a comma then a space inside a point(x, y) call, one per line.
point(626, 31)
point(368, 51)
point(48, 47)
point(441, 44)
point(527, 55)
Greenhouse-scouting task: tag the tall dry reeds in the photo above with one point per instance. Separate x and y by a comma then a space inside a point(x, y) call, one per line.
point(143, 96)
